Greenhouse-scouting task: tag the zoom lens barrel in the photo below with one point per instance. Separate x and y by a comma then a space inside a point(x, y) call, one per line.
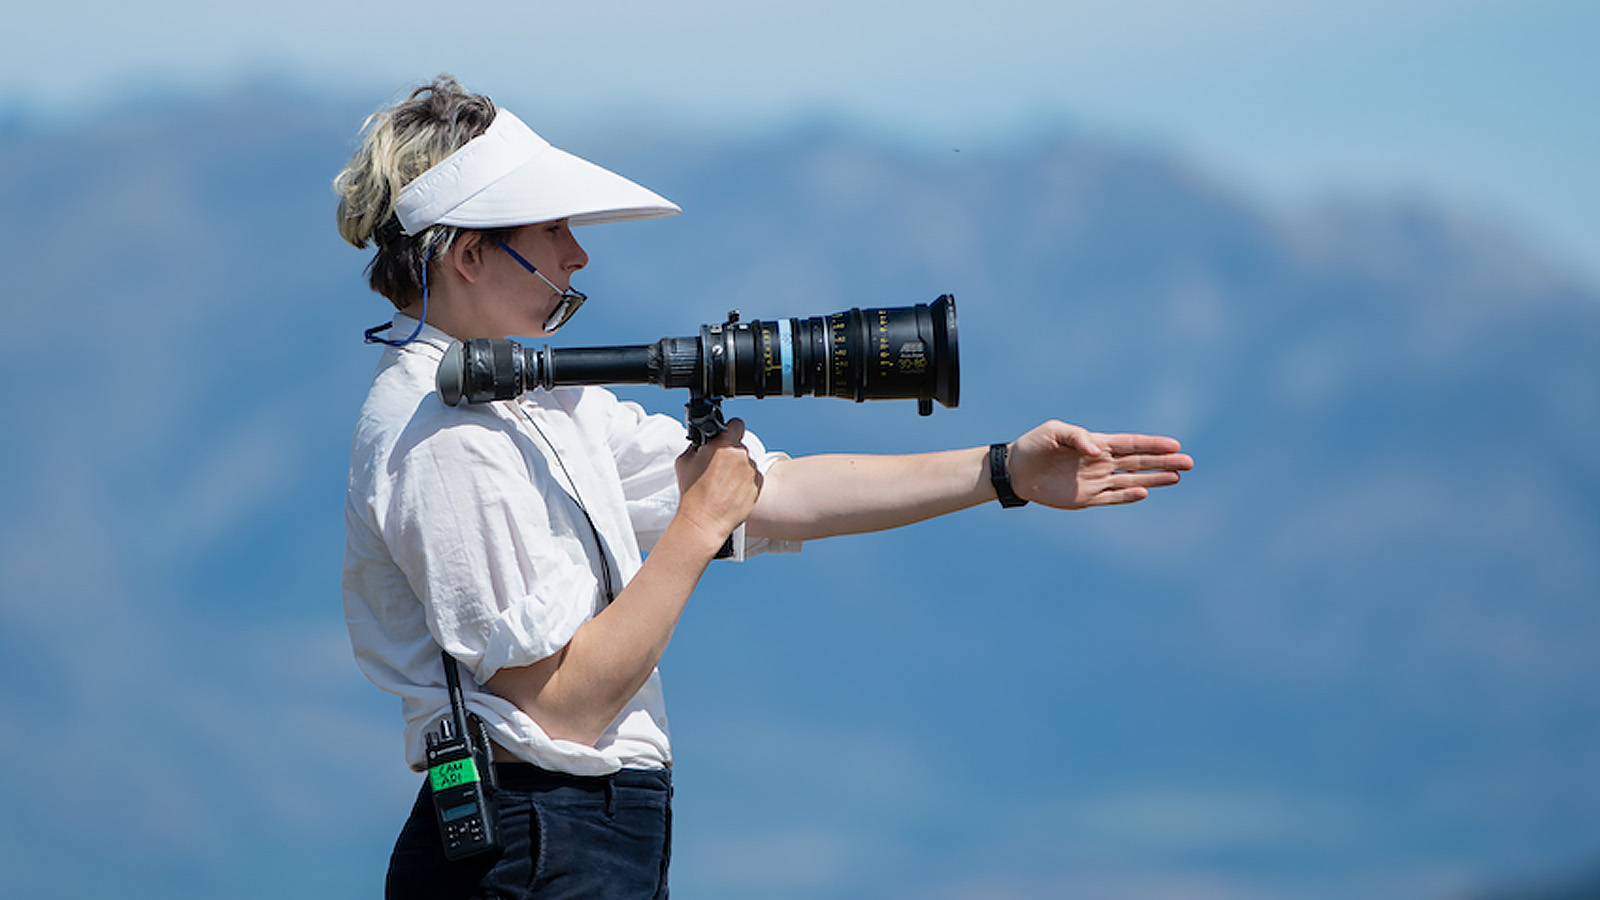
point(898, 353)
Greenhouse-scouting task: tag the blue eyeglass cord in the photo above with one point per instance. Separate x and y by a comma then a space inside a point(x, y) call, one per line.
point(371, 334)
point(525, 264)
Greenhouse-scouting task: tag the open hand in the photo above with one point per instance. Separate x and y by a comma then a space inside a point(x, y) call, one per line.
point(1068, 467)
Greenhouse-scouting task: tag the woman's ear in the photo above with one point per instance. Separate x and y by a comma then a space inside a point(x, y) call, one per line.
point(465, 256)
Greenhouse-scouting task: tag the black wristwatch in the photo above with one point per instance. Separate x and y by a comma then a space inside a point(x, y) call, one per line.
point(1000, 478)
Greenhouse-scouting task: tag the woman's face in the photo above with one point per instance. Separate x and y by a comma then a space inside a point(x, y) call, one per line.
point(513, 301)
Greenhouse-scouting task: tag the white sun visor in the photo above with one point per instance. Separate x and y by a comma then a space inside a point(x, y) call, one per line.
point(510, 176)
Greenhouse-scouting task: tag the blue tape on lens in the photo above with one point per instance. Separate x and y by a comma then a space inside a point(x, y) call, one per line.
point(786, 356)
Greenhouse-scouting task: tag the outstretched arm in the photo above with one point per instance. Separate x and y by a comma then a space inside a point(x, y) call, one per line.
point(1055, 464)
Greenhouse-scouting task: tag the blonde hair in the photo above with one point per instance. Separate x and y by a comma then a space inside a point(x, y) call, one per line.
point(397, 145)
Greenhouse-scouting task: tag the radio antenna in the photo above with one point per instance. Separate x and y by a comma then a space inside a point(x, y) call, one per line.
point(458, 703)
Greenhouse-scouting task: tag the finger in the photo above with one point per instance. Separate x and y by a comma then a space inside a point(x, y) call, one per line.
point(734, 432)
point(1126, 444)
point(1121, 489)
point(1176, 462)
point(1118, 496)
point(1142, 479)
point(1087, 443)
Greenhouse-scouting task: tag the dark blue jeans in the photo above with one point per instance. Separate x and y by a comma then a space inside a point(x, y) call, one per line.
point(562, 836)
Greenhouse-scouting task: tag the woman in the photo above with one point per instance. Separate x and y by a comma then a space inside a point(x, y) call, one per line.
point(511, 534)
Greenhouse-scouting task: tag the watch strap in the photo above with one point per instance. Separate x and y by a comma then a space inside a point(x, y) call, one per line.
point(1000, 477)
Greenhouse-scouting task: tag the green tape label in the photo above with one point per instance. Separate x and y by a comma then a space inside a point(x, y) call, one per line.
point(452, 774)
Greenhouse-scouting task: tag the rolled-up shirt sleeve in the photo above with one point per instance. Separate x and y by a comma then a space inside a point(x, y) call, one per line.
point(499, 569)
point(645, 447)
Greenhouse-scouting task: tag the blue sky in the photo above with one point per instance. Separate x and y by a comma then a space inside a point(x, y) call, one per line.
point(1487, 105)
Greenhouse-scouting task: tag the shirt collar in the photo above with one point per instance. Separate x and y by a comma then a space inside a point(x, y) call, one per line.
point(429, 337)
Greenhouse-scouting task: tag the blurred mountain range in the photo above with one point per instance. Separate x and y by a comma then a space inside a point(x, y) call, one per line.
point(1354, 654)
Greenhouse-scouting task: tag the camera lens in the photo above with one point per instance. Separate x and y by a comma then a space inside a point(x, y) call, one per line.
point(894, 353)
point(890, 353)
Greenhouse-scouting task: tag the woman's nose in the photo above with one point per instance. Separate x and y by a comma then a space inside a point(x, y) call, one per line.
point(574, 257)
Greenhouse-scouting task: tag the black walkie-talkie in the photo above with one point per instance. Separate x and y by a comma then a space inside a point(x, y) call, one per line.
point(461, 776)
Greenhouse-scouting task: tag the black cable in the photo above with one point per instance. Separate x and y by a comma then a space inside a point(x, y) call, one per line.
point(599, 542)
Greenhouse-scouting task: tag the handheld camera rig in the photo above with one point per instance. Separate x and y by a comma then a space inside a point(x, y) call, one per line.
point(901, 353)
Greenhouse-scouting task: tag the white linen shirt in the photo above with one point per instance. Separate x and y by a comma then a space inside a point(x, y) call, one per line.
point(464, 531)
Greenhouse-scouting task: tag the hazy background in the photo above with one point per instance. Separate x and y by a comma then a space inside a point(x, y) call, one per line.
point(1485, 102)
point(1347, 252)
